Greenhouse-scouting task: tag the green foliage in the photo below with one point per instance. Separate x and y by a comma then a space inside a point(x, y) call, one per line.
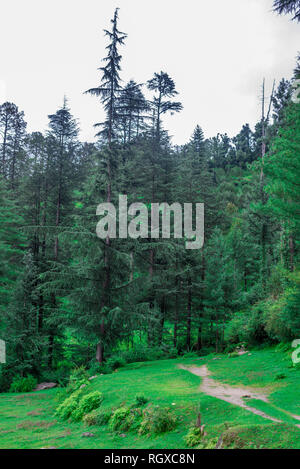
point(233, 355)
point(190, 355)
point(157, 420)
point(34, 425)
point(115, 362)
point(193, 437)
point(64, 292)
point(140, 400)
point(86, 404)
point(121, 420)
point(78, 377)
point(97, 417)
point(68, 406)
point(78, 404)
point(23, 384)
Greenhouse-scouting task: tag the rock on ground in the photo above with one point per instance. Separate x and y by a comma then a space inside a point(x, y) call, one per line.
point(43, 386)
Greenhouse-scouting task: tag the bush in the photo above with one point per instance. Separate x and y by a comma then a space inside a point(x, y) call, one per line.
point(190, 355)
point(86, 404)
point(236, 329)
point(77, 405)
point(78, 377)
point(233, 355)
point(68, 406)
point(115, 362)
point(143, 354)
point(60, 376)
point(94, 368)
point(157, 420)
point(20, 384)
point(6, 378)
point(139, 354)
point(140, 400)
point(193, 437)
point(97, 417)
point(121, 420)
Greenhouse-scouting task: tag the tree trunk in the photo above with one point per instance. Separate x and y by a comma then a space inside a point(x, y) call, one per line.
point(189, 315)
point(50, 350)
point(100, 345)
point(292, 253)
point(176, 307)
point(201, 314)
point(100, 353)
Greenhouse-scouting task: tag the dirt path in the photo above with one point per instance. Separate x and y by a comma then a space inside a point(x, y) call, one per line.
point(234, 395)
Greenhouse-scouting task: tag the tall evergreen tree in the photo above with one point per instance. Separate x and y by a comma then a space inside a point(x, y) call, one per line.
point(164, 87)
point(288, 7)
point(110, 87)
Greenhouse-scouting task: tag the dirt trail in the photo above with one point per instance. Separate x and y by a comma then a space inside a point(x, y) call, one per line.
point(234, 395)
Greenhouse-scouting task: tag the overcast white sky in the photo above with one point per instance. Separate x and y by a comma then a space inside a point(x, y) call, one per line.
point(217, 52)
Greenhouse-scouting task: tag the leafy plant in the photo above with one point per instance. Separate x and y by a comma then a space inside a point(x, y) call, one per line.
point(97, 417)
point(78, 377)
point(157, 420)
point(193, 437)
point(68, 406)
point(86, 404)
point(140, 400)
point(23, 384)
point(121, 420)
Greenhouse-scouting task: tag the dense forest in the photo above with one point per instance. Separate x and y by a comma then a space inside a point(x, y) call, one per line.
point(68, 298)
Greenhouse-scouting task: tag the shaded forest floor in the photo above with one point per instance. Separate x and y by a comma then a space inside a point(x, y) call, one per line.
point(28, 421)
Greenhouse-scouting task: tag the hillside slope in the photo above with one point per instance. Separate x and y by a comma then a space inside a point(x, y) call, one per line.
point(28, 421)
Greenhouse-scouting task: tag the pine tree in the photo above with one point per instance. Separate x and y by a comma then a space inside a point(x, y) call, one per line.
point(109, 89)
point(12, 130)
point(22, 336)
point(288, 7)
point(283, 169)
point(164, 87)
point(281, 99)
point(109, 92)
point(131, 111)
point(198, 142)
point(12, 242)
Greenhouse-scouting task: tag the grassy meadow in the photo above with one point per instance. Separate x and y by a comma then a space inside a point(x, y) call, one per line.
point(28, 420)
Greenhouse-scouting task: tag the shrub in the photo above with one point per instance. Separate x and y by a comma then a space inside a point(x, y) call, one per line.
point(143, 354)
point(121, 420)
point(233, 355)
point(97, 417)
point(86, 404)
point(20, 384)
point(78, 377)
point(190, 355)
point(157, 420)
point(193, 437)
point(140, 400)
point(105, 369)
point(236, 329)
point(68, 406)
point(94, 368)
point(60, 376)
point(115, 362)
point(6, 378)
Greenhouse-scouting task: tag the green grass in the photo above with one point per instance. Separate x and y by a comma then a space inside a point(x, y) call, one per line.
point(28, 421)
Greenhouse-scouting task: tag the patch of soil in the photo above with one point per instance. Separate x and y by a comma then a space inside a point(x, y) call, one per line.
point(233, 395)
point(31, 424)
